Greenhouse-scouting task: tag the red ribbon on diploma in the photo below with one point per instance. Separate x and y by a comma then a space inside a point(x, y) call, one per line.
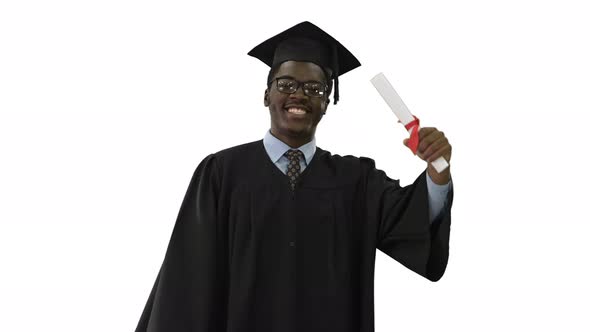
point(414, 137)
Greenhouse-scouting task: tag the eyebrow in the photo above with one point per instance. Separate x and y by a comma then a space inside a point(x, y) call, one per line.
point(285, 76)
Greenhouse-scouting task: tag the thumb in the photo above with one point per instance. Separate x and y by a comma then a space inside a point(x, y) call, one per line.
point(406, 141)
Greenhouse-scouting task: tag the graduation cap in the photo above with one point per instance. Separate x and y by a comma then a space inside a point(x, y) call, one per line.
point(306, 42)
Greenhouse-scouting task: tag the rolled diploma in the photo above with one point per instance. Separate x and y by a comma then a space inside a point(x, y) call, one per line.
point(400, 110)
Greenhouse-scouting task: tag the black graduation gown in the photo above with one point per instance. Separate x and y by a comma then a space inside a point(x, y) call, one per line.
point(248, 254)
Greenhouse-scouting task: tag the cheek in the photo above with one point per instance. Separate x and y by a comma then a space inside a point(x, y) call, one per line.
point(321, 106)
point(277, 101)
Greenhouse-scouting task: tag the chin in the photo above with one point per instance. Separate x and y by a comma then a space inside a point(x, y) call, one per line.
point(292, 131)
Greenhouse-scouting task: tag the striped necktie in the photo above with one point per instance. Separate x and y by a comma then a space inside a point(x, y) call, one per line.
point(293, 169)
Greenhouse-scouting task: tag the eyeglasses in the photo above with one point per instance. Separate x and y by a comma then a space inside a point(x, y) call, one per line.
point(310, 88)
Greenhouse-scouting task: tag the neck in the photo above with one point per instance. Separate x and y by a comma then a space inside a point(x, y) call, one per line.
point(292, 141)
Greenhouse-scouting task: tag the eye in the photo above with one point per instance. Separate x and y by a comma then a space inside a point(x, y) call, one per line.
point(315, 88)
point(285, 84)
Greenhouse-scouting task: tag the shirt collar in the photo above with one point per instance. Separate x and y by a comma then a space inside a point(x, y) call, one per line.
point(276, 148)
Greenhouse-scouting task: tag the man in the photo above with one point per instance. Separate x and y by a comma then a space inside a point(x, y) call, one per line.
point(279, 234)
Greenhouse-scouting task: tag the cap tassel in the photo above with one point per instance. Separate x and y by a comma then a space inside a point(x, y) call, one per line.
point(335, 69)
point(336, 94)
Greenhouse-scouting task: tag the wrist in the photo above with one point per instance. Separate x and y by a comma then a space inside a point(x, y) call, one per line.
point(439, 178)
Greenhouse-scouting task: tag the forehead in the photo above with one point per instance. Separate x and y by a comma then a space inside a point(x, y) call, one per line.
point(302, 71)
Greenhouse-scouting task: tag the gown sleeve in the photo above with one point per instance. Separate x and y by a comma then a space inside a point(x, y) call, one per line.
point(190, 291)
point(401, 219)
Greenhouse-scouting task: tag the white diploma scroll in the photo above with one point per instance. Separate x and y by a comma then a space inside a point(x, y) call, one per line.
point(400, 110)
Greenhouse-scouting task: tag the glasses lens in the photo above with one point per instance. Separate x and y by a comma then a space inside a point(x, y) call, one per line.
point(286, 85)
point(314, 89)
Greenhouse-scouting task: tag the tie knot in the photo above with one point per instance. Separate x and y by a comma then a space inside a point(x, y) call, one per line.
point(294, 155)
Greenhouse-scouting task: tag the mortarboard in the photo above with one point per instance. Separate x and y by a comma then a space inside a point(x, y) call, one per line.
point(306, 42)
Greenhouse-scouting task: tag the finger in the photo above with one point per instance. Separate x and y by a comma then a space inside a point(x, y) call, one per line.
point(436, 145)
point(423, 132)
point(434, 131)
point(426, 141)
point(444, 151)
point(427, 132)
point(431, 137)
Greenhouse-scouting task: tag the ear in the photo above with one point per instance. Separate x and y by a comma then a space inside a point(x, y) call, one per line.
point(326, 108)
point(266, 100)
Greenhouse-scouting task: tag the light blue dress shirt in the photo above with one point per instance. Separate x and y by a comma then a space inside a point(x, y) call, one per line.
point(275, 148)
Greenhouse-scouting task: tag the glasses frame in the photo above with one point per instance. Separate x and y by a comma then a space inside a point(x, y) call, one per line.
point(300, 84)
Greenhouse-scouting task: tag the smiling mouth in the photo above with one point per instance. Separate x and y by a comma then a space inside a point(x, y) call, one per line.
point(296, 111)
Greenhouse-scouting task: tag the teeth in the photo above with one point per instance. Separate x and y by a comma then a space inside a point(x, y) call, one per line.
point(296, 110)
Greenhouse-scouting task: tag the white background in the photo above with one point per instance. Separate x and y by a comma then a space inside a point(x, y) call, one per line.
point(107, 107)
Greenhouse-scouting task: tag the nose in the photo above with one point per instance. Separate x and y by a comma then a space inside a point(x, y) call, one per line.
point(298, 92)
